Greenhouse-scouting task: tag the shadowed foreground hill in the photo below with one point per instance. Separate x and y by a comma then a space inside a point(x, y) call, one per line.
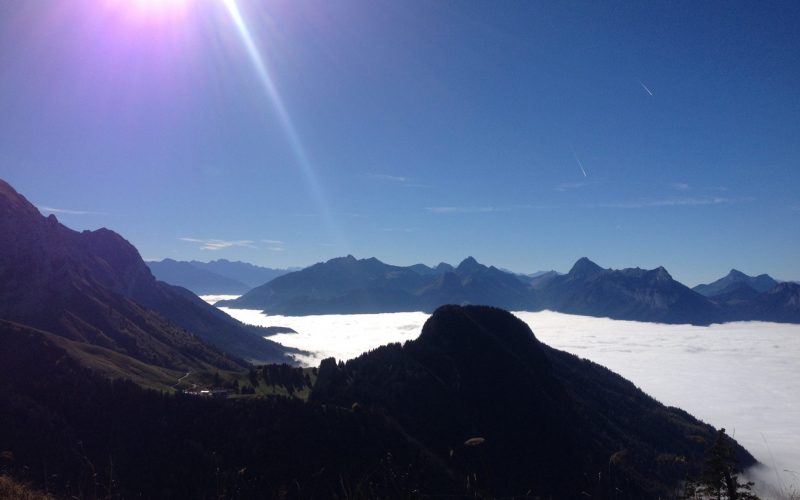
point(475, 407)
point(548, 422)
point(79, 435)
point(93, 287)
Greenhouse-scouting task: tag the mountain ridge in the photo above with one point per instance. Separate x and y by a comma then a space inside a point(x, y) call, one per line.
point(93, 287)
point(340, 286)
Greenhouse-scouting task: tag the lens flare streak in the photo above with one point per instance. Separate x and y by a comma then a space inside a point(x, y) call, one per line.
point(274, 96)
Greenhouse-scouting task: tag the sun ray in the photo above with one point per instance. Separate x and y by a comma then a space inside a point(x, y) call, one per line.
point(271, 90)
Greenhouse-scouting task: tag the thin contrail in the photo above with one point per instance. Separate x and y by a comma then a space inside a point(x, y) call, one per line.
point(579, 162)
point(645, 87)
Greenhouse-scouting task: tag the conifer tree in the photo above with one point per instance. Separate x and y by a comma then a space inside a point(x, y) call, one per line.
point(719, 479)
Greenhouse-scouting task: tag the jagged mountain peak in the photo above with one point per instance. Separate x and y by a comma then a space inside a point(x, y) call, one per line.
point(736, 274)
point(79, 284)
point(584, 267)
point(469, 265)
point(11, 202)
point(661, 274)
point(760, 283)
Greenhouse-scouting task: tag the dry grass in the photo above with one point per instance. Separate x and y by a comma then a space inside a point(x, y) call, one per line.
point(13, 490)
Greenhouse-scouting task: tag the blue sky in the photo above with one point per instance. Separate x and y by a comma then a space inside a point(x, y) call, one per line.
point(413, 131)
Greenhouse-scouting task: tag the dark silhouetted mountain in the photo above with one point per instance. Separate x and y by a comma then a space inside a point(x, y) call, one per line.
point(341, 285)
point(518, 418)
point(541, 280)
point(424, 270)
point(632, 294)
point(198, 280)
point(754, 298)
point(81, 436)
point(347, 285)
point(760, 283)
point(474, 283)
point(94, 287)
point(444, 267)
point(585, 269)
point(249, 274)
point(780, 304)
point(739, 292)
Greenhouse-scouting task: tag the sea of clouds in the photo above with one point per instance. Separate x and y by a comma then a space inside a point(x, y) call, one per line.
point(743, 376)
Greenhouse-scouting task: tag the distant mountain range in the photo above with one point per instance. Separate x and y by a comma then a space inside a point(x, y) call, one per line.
point(347, 285)
point(736, 280)
point(216, 277)
point(92, 287)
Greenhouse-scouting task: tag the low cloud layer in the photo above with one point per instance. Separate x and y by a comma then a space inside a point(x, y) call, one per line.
point(741, 376)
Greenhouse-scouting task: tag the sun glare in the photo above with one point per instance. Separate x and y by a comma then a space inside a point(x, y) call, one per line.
point(151, 9)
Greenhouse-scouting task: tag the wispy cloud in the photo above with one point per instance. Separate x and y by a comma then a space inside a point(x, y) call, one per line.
point(680, 186)
point(402, 180)
point(354, 215)
point(475, 209)
point(672, 202)
point(463, 210)
point(389, 177)
point(65, 211)
point(215, 244)
point(274, 245)
point(570, 186)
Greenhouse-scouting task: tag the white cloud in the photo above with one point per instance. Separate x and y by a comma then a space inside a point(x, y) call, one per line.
point(478, 209)
point(747, 371)
point(462, 210)
point(673, 202)
point(397, 179)
point(215, 244)
point(65, 211)
point(390, 178)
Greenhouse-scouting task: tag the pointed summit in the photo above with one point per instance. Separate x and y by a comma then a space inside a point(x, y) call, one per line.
point(585, 268)
point(469, 265)
point(11, 202)
point(661, 274)
point(760, 283)
point(737, 275)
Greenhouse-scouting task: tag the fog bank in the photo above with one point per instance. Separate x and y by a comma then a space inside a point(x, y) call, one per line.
point(743, 376)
